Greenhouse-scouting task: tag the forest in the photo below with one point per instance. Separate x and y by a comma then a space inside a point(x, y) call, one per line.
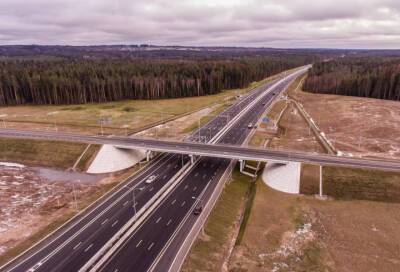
point(77, 81)
point(375, 77)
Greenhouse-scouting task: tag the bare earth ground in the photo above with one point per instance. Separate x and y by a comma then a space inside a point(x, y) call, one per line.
point(31, 205)
point(300, 233)
point(361, 126)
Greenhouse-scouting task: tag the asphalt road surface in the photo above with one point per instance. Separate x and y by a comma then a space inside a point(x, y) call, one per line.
point(69, 248)
point(146, 245)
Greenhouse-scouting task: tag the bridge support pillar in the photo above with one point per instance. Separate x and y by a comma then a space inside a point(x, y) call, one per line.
point(242, 164)
point(148, 155)
point(191, 159)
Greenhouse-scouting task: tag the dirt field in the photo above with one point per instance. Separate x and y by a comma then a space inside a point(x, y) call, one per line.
point(31, 205)
point(360, 126)
point(300, 233)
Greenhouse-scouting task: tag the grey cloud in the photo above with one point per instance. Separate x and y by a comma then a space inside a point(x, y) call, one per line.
point(281, 23)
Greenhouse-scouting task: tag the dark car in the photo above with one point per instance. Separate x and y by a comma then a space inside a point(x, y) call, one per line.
point(198, 209)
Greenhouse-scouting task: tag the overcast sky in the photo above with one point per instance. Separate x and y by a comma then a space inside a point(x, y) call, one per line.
point(270, 23)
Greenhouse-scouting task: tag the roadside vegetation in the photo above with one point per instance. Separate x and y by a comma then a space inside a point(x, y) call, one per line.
point(98, 81)
point(375, 77)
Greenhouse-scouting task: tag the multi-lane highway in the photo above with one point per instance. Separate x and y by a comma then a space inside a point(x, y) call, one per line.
point(73, 245)
point(143, 249)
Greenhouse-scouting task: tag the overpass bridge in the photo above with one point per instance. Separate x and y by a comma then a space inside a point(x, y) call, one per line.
point(209, 150)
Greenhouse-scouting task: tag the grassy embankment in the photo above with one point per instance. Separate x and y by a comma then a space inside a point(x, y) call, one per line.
point(45, 153)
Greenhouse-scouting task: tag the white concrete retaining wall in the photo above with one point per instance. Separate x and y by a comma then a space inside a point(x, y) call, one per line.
point(283, 177)
point(111, 159)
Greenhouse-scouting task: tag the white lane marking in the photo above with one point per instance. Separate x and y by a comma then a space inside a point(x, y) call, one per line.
point(126, 202)
point(113, 224)
point(116, 270)
point(138, 244)
point(194, 189)
point(158, 220)
point(165, 176)
point(173, 202)
point(183, 203)
point(120, 190)
point(77, 245)
point(88, 247)
point(169, 222)
point(195, 175)
point(102, 223)
point(151, 189)
point(152, 244)
point(204, 176)
point(185, 187)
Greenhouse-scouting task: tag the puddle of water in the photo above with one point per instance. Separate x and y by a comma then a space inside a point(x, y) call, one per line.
point(54, 175)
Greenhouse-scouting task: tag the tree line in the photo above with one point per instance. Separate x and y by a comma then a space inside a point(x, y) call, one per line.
point(55, 82)
point(375, 77)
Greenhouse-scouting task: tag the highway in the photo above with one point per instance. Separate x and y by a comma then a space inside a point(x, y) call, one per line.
point(142, 250)
point(69, 248)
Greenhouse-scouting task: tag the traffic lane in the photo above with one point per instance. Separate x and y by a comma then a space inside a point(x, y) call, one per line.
point(236, 110)
point(83, 246)
point(170, 253)
point(237, 134)
point(76, 226)
point(91, 244)
point(122, 265)
point(140, 250)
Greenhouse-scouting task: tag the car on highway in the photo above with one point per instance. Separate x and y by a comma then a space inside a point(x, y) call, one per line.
point(250, 125)
point(198, 209)
point(151, 179)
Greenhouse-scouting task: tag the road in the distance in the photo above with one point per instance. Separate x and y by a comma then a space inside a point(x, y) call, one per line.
point(71, 247)
point(140, 251)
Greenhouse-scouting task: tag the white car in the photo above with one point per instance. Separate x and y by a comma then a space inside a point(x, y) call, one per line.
point(151, 179)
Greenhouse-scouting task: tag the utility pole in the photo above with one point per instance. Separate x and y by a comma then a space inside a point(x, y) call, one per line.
point(199, 130)
point(74, 193)
point(134, 202)
point(320, 182)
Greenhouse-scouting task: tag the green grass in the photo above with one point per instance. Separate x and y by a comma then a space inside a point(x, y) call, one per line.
point(42, 153)
point(251, 193)
point(208, 254)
